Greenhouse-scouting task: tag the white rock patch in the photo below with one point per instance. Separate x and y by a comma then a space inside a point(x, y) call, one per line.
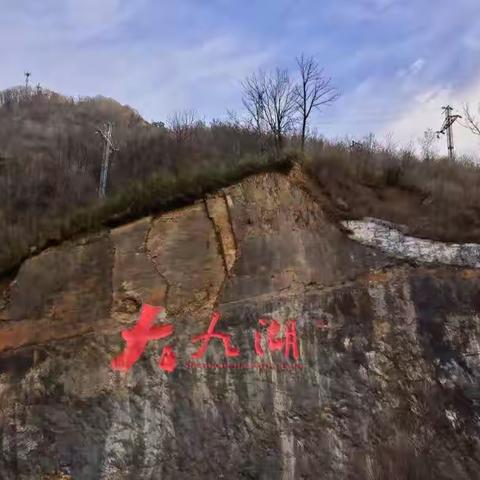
point(388, 237)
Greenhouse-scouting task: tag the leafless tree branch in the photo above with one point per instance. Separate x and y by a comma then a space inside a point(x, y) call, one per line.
point(314, 91)
point(270, 102)
point(254, 99)
point(427, 144)
point(182, 123)
point(470, 120)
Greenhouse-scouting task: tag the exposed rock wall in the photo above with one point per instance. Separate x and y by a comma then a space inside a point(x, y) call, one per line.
point(390, 352)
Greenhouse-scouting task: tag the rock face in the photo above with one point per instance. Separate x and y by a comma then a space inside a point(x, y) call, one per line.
point(386, 385)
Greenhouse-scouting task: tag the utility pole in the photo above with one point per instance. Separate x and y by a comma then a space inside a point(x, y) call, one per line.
point(447, 127)
point(108, 148)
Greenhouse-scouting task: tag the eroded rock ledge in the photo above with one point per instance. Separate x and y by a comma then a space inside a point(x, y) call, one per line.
point(389, 238)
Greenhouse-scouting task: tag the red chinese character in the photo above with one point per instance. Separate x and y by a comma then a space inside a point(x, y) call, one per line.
point(289, 343)
point(168, 360)
point(291, 339)
point(138, 337)
point(230, 351)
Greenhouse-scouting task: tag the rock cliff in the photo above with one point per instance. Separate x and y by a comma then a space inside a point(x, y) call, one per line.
point(386, 385)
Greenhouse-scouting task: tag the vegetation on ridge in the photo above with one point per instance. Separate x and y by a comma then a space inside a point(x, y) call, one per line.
point(49, 176)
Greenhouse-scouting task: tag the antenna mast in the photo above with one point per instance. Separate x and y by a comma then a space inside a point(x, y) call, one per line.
point(447, 127)
point(27, 78)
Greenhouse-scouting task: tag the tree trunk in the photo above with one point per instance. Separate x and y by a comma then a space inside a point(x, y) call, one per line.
point(304, 128)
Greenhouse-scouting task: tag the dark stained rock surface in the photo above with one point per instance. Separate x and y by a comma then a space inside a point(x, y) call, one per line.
point(386, 385)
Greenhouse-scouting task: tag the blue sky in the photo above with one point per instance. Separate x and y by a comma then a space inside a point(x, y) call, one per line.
point(396, 62)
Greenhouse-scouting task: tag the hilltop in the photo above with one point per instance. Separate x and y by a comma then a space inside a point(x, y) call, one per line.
point(48, 184)
point(36, 122)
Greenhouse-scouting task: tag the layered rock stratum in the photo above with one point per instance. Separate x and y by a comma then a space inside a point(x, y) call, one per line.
point(386, 385)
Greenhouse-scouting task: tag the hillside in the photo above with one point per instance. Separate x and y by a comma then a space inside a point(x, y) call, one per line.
point(51, 157)
point(40, 121)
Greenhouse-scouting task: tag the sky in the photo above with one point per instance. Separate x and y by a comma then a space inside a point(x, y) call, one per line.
point(395, 62)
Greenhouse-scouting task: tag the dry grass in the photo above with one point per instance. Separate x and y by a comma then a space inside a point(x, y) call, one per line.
point(159, 193)
point(438, 199)
point(50, 160)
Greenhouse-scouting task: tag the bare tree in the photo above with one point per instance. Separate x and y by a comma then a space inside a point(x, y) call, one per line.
point(254, 93)
point(182, 124)
point(390, 145)
point(280, 105)
point(314, 91)
point(427, 144)
point(471, 120)
point(270, 102)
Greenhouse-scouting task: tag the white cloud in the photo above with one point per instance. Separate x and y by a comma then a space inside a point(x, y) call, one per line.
point(85, 47)
point(360, 10)
point(52, 21)
point(412, 70)
point(78, 47)
point(425, 112)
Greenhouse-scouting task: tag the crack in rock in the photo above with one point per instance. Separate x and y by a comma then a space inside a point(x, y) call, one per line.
point(217, 211)
point(155, 266)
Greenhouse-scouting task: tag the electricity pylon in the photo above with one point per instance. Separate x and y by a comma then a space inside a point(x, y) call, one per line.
point(108, 148)
point(447, 127)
